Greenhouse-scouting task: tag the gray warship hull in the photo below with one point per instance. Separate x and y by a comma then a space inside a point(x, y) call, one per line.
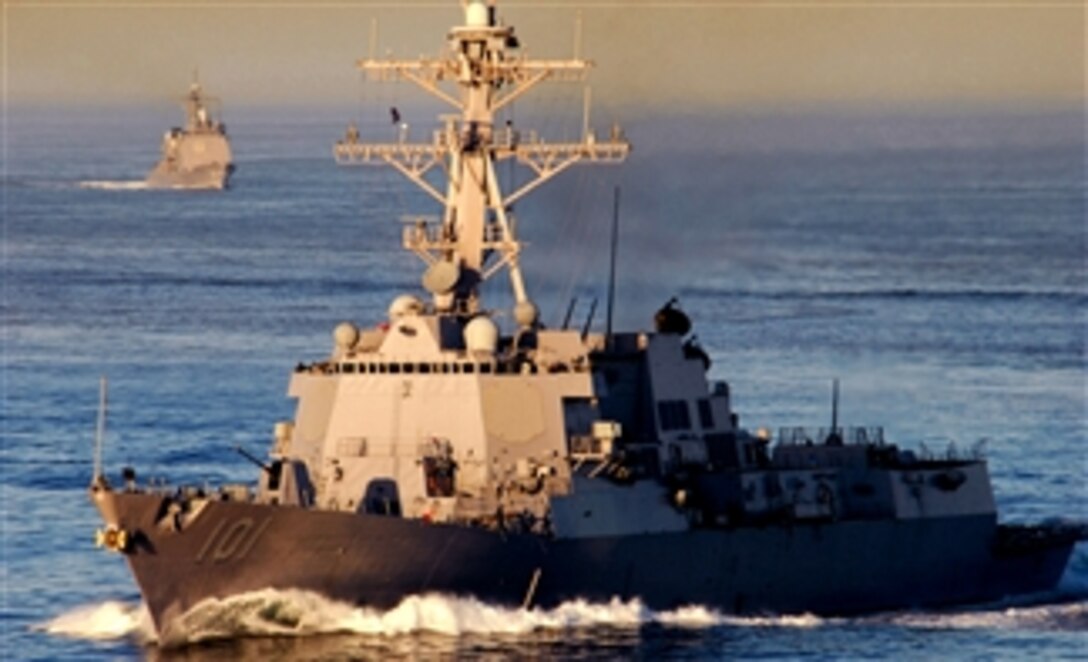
point(214, 176)
point(230, 548)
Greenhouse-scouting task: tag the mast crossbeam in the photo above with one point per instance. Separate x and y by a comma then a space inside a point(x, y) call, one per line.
point(522, 73)
point(548, 160)
point(497, 73)
point(424, 236)
point(430, 242)
point(535, 153)
point(414, 161)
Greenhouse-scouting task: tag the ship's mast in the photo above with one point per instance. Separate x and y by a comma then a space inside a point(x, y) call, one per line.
point(196, 112)
point(476, 237)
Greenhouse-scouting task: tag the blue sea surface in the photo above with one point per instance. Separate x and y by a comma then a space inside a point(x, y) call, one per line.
point(935, 264)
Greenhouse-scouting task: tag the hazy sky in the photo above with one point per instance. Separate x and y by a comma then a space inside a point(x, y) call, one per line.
point(653, 54)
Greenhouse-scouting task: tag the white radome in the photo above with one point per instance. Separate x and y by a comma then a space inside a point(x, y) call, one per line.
point(405, 305)
point(345, 335)
point(481, 335)
point(476, 14)
point(525, 313)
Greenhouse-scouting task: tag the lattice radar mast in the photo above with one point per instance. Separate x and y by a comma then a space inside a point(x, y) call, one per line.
point(476, 237)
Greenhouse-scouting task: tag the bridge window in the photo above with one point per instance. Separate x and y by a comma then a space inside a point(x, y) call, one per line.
point(706, 414)
point(674, 415)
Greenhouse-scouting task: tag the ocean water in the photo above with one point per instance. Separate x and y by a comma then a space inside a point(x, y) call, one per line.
point(935, 264)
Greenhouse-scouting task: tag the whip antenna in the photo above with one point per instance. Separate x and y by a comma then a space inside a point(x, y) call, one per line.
point(589, 319)
point(612, 268)
point(570, 311)
point(100, 429)
point(834, 437)
point(373, 36)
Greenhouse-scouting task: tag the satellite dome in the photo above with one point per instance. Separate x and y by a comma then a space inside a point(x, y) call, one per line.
point(476, 15)
point(481, 335)
point(525, 313)
point(441, 277)
point(345, 335)
point(405, 305)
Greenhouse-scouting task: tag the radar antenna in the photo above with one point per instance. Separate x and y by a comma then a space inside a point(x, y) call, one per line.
point(200, 108)
point(476, 237)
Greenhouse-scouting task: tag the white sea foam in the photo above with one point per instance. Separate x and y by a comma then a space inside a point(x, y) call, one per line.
point(120, 185)
point(300, 613)
point(108, 620)
point(800, 621)
point(1038, 617)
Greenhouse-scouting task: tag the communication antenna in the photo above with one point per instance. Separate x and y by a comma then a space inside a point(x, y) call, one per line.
point(612, 268)
point(578, 35)
point(252, 458)
point(373, 36)
point(587, 99)
point(589, 318)
point(834, 435)
point(570, 311)
point(100, 429)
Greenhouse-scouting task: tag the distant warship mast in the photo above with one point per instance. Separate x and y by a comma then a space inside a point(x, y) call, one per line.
point(476, 238)
point(197, 117)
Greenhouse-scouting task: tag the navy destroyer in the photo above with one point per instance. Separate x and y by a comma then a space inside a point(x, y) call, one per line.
point(197, 156)
point(434, 452)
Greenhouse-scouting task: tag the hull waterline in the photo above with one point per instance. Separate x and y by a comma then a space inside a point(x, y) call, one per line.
point(844, 568)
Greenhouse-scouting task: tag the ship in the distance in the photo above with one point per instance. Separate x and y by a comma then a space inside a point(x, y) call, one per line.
point(433, 452)
point(197, 156)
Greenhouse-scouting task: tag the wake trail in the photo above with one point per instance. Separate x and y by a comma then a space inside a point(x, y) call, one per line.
point(280, 613)
point(115, 185)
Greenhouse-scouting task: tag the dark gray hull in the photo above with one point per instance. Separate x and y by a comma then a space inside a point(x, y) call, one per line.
point(828, 569)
